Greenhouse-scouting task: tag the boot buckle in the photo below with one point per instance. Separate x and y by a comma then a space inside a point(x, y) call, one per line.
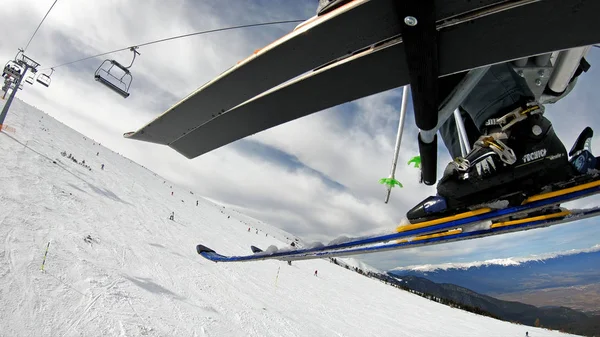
point(505, 153)
point(462, 164)
point(515, 116)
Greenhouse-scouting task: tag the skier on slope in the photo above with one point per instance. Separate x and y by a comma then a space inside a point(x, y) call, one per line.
point(502, 161)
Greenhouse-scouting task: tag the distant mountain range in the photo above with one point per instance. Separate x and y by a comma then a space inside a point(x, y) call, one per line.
point(495, 277)
point(556, 318)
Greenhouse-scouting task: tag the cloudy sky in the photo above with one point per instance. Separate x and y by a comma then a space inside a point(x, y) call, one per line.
point(316, 177)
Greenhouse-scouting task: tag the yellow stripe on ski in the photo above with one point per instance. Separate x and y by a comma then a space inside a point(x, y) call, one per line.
point(535, 218)
point(442, 220)
point(429, 236)
point(480, 211)
point(561, 192)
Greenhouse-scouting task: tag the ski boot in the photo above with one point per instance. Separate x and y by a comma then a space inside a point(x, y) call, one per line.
point(518, 155)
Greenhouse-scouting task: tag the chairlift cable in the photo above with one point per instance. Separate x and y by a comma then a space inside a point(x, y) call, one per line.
point(182, 36)
point(38, 27)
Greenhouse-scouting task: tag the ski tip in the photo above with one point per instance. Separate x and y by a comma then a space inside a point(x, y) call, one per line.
point(256, 249)
point(203, 249)
point(128, 134)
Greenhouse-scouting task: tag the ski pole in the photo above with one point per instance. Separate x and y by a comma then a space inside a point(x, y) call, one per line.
point(391, 179)
point(465, 147)
point(46, 254)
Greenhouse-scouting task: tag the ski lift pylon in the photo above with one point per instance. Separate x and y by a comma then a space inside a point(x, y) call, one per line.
point(44, 79)
point(119, 84)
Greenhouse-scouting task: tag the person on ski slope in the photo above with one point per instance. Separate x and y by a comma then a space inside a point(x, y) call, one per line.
point(502, 160)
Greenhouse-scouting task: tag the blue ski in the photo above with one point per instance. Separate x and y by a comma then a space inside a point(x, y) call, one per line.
point(454, 235)
point(350, 247)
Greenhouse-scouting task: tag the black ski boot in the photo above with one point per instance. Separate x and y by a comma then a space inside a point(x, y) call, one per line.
point(518, 155)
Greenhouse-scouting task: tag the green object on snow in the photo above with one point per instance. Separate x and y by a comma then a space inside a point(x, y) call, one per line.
point(415, 160)
point(390, 182)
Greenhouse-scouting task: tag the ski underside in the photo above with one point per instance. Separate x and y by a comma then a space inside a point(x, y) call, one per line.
point(250, 97)
point(319, 40)
point(537, 211)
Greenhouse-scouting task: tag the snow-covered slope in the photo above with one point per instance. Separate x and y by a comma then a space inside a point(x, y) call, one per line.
point(139, 275)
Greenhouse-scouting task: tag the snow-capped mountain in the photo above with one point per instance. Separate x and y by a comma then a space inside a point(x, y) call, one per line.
point(561, 269)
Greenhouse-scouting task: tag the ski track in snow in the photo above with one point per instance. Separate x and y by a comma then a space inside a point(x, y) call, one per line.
point(141, 276)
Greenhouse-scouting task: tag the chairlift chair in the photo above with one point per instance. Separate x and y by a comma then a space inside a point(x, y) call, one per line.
point(44, 79)
point(119, 84)
point(6, 85)
point(12, 84)
point(12, 69)
point(29, 79)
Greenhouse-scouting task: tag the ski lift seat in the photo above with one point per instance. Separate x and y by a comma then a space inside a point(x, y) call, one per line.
point(29, 79)
point(109, 84)
point(119, 83)
point(13, 69)
point(123, 83)
point(44, 80)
